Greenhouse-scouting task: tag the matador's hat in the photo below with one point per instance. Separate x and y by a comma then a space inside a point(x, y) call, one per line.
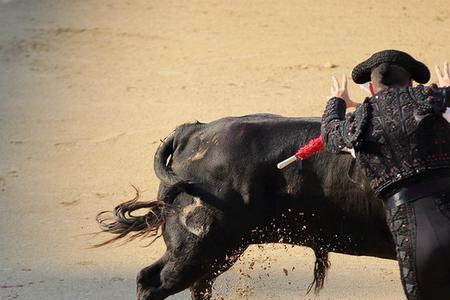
point(419, 72)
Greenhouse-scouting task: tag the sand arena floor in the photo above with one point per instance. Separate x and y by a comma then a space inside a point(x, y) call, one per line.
point(87, 89)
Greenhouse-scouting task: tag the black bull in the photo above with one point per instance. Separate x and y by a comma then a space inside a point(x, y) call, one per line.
point(220, 192)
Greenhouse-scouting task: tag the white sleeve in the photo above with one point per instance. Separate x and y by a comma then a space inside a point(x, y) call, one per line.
point(446, 115)
point(349, 150)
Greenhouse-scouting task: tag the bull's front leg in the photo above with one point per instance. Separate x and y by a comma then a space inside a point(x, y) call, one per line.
point(202, 289)
point(148, 281)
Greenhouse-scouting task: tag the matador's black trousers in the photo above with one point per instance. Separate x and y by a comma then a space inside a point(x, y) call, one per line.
point(420, 225)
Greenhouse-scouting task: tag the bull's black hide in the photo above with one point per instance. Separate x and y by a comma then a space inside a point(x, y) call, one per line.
point(221, 191)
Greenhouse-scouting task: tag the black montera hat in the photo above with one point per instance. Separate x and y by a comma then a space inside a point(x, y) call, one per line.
point(419, 72)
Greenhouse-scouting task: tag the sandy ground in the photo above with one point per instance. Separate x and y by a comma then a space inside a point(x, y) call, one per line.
point(87, 89)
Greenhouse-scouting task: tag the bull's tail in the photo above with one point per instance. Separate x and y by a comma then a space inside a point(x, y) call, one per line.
point(321, 267)
point(163, 155)
point(122, 223)
point(160, 163)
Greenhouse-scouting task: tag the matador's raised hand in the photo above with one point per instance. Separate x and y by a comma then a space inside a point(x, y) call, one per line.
point(341, 91)
point(443, 77)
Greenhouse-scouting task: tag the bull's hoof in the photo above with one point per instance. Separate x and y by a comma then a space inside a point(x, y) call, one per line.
point(143, 293)
point(200, 297)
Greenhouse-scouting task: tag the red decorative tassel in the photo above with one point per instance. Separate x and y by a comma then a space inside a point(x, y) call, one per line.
point(312, 147)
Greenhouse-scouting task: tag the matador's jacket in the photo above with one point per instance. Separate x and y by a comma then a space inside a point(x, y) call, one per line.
point(396, 134)
point(401, 140)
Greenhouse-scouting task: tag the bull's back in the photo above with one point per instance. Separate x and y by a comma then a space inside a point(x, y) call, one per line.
point(238, 145)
